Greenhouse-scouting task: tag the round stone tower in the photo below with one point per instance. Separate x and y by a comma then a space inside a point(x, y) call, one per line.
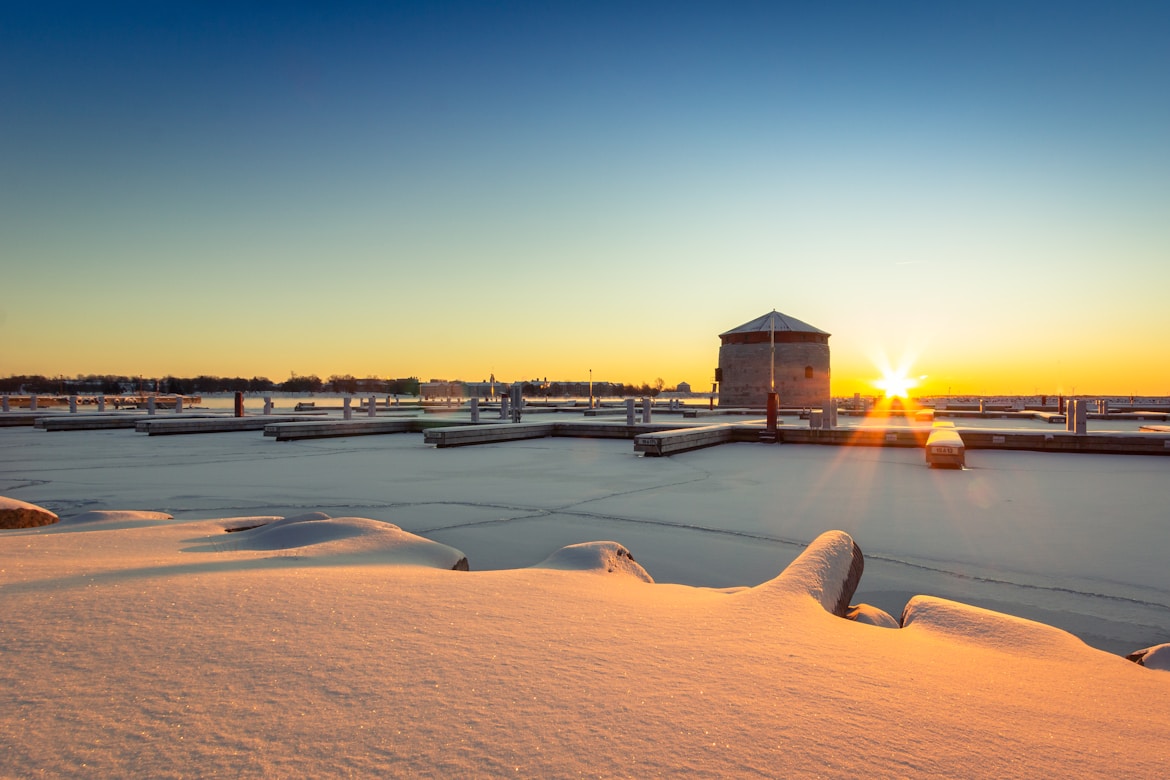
point(746, 363)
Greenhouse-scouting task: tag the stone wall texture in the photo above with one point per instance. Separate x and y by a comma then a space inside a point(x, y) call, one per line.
point(745, 369)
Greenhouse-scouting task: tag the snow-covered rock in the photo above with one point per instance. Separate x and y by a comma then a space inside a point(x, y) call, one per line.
point(983, 627)
point(607, 557)
point(20, 514)
point(119, 516)
point(316, 535)
point(867, 613)
point(1156, 657)
point(828, 570)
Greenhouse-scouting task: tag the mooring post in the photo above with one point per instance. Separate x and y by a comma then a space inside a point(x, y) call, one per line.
point(630, 417)
point(773, 410)
point(32, 402)
point(372, 411)
point(646, 409)
point(346, 410)
point(150, 406)
point(503, 406)
point(73, 404)
point(101, 403)
point(829, 414)
point(239, 405)
point(178, 404)
point(4, 403)
point(517, 402)
point(475, 410)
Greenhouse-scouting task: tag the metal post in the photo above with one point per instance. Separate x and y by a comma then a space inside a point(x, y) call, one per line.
point(372, 411)
point(150, 405)
point(73, 404)
point(517, 402)
point(32, 402)
point(630, 411)
point(646, 409)
point(475, 410)
point(101, 403)
point(178, 404)
point(504, 406)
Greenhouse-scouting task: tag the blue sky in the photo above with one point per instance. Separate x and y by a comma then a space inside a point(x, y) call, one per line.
point(536, 189)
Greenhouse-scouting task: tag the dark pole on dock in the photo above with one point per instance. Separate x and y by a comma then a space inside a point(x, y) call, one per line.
point(239, 404)
point(773, 396)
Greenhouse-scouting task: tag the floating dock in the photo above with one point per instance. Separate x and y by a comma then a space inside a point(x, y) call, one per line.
point(171, 426)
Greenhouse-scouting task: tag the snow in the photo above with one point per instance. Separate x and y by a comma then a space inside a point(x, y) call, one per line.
point(598, 557)
point(1157, 657)
point(331, 638)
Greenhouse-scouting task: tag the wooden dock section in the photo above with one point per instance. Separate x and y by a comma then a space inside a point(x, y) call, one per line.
point(18, 419)
point(90, 422)
point(173, 426)
point(464, 435)
point(683, 440)
point(332, 429)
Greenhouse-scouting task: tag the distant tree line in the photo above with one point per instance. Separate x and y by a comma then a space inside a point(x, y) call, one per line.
point(111, 384)
point(537, 388)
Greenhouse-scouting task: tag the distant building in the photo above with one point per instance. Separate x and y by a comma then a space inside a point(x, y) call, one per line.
point(801, 363)
point(683, 387)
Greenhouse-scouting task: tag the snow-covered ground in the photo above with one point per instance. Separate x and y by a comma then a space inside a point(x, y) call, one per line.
point(137, 645)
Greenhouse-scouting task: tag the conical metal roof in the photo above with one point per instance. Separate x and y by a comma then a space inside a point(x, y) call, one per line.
point(774, 320)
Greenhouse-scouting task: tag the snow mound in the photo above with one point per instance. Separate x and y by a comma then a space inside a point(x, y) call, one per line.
point(316, 535)
point(116, 516)
point(20, 514)
point(828, 571)
point(866, 613)
point(995, 630)
point(602, 557)
point(1156, 657)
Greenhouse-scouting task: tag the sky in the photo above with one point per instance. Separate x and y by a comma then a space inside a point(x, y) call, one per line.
point(978, 193)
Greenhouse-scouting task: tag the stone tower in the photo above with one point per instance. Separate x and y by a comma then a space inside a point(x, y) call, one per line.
point(801, 363)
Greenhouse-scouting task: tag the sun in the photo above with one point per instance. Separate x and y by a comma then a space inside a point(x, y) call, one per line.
point(896, 382)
